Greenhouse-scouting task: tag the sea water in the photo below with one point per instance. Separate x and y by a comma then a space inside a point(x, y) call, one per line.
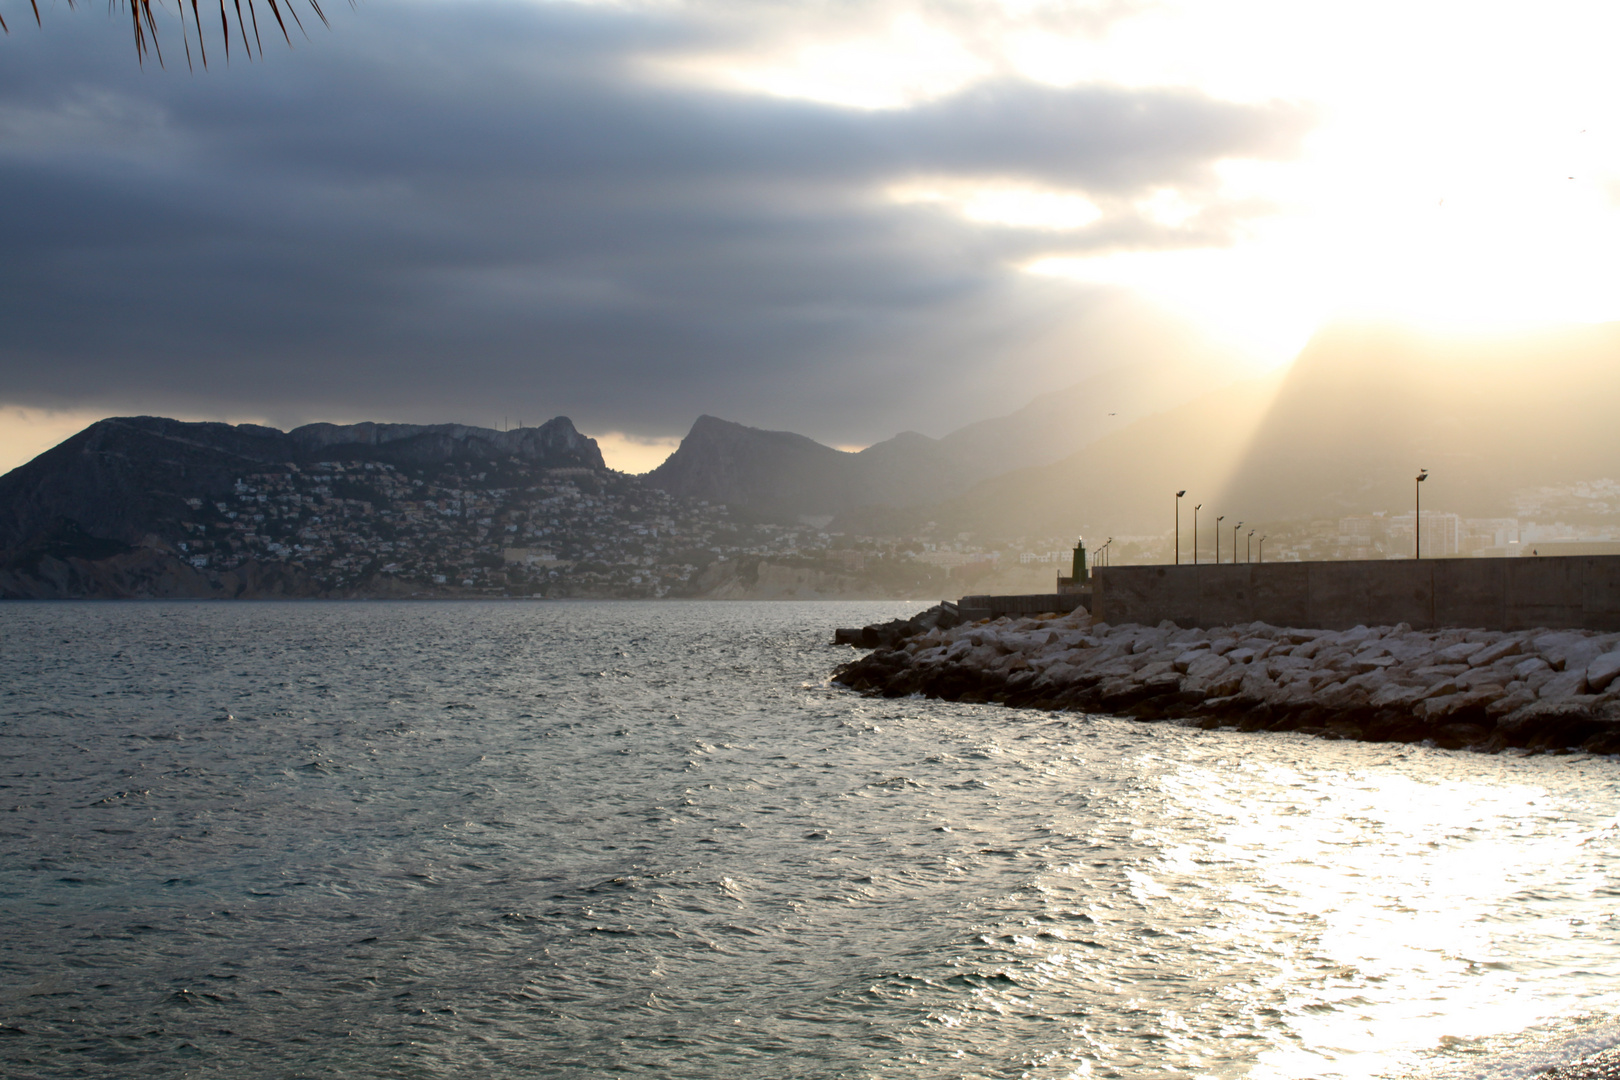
point(511, 839)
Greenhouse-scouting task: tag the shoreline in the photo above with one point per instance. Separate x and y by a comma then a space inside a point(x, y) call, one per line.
point(1539, 690)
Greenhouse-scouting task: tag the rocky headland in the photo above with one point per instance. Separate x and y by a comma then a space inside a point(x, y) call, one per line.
point(1537, 690)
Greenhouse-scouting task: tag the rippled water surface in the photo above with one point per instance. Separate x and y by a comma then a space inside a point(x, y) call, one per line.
point(573, 840)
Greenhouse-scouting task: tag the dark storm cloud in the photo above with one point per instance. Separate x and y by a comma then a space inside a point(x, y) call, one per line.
point(437, 213)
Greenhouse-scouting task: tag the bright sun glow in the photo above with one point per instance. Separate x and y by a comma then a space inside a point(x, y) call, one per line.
point(1021, 207)
point(1463, 170)
point(897, 63)
point(634, 453)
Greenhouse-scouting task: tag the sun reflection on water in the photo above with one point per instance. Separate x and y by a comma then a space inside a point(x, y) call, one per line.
point(1400, 883)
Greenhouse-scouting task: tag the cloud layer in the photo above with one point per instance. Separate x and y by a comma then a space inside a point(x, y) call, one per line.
point(459, 213)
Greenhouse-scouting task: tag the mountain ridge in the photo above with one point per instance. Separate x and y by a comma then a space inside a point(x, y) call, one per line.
point(122, 477)
point(786, 475)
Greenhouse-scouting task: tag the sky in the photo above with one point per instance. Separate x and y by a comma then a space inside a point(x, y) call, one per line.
point(842, 218)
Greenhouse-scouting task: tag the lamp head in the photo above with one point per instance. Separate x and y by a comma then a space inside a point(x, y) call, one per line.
point(1180, 493)
point(1423, 474)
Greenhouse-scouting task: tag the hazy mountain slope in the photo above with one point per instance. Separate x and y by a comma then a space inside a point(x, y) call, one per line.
point(125, 477)
point(1343, 431)
point(1124, 483)
point(1058, 424)
point(1363, 408)
point(784, 474)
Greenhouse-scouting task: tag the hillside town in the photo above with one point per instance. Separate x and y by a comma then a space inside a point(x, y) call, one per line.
point(514, 529)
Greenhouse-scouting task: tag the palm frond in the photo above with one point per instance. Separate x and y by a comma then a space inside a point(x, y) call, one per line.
point(144, 23)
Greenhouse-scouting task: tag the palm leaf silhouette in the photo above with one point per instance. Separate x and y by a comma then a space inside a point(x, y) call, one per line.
point(144, 16)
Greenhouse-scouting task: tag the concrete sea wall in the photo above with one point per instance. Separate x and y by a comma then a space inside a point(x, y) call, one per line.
point(1579, 592)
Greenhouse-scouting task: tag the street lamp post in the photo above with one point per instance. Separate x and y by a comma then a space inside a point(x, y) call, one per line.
point(1235, 529)
point(1218, 521)
point(1248, 549)
point(1417, 514)
point(1262, 549)
point(1179, 494)
point(1196, 508)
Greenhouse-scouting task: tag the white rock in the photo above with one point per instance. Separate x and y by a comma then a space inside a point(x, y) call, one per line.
point(1436, 671)
point(1568, 650)
point(1395, 694)
point(1114, 669)
point(1516, 698)
point(1303, 637)
point(1486, 676)
point(1529, 666)
point(1286, 662)
point(1537, 679)
point(1207, 666)
point(1185, 660)
point(1563, 685)
point(1439, 708)
point(1059, 674)
point(1460, 652)
point(1292, 696)
point(1407, 649)
point(1602, 671)
point(1256, 685)
point(1440, 688)
point(1490, 654)
point(981, 657)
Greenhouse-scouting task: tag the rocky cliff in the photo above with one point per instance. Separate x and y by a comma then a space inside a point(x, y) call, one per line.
point(126, 479)
point(774, 472)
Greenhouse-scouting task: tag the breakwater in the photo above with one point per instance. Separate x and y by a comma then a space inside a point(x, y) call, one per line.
point(1501, 594)
point(1488, 690)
